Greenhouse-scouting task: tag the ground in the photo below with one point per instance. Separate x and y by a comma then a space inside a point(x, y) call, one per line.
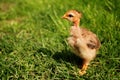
point(33, 39)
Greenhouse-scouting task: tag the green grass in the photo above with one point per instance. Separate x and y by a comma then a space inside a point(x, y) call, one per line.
point(33, 39)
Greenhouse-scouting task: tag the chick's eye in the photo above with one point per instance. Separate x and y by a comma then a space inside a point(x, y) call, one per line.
point(70, 15)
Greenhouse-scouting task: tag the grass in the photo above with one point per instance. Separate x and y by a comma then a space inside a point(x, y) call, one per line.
point(33, 39)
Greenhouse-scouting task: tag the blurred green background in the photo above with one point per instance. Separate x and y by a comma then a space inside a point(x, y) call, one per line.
point(33, 37)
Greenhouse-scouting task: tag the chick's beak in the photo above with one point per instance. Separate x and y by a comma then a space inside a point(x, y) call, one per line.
point(64, 17)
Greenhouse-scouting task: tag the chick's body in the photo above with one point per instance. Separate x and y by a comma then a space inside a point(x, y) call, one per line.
point(80, 40)
point(84, 42)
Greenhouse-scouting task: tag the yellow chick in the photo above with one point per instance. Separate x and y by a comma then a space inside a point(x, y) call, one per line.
point(85, 43)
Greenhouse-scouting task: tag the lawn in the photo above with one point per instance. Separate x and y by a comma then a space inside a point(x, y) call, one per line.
point(33, 43)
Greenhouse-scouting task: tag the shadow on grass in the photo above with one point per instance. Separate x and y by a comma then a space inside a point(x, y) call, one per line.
point(67, 56)
point(45, 51)
point(64, 55)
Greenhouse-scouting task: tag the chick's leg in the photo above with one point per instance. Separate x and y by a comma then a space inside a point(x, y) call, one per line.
point(83, 69)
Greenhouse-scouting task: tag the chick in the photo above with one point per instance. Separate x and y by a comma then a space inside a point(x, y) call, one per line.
point(85, 43)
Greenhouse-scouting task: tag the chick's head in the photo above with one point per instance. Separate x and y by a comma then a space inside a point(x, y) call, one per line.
point(72, 15)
